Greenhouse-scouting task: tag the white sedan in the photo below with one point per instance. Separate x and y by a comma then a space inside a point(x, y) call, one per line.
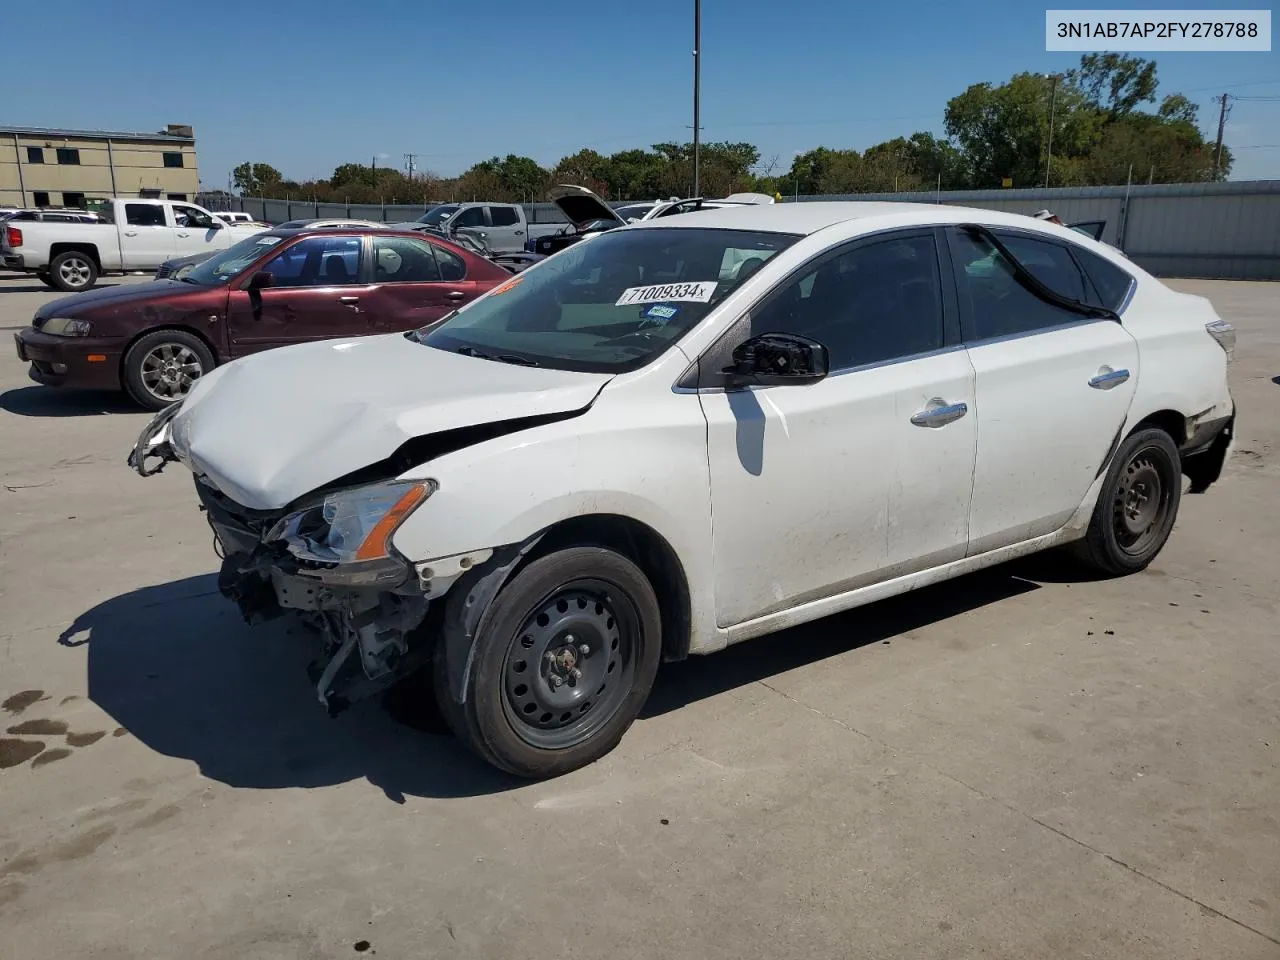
point(690, 432)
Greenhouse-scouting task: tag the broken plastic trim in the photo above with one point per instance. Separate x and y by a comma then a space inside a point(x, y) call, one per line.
point(152, 443)
point(1028, 279)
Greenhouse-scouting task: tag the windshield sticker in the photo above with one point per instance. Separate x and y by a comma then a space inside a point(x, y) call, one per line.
point(666, 292)
point(268, 241)
point(659, 314)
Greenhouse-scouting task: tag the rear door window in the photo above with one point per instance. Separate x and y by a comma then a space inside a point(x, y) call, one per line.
point(504, 216)
point(1048, 262)
point(144, 214)
point(402, 260)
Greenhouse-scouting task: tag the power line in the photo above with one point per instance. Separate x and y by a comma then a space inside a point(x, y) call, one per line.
point(1232, 86)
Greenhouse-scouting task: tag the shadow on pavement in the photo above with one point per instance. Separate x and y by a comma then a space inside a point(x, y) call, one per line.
point(176, 666)
point(40, 401)
point(700, 677)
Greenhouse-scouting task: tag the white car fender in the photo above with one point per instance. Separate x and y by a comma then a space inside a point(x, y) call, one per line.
point(504, 491)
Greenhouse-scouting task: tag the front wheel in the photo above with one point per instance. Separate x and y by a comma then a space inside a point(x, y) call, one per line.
point(161, 367)
point(1137, 505)
point(563, 662)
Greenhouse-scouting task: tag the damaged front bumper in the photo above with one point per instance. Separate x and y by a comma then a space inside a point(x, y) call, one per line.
point(370, 634)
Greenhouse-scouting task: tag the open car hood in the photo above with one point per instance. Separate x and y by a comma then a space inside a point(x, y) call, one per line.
point(273, 426)
point(581, 206)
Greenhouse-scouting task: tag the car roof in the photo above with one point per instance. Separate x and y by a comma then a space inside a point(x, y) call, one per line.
point(807, 218)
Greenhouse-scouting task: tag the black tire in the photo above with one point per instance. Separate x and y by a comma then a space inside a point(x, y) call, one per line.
point(73, 271)
point(1136, 507)
point(529, 738)
point(181, 357)
point(43, 277)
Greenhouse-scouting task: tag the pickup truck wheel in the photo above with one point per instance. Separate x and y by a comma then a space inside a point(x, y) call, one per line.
point(563, 661)
point(161, 367)
point(73, 271)
point(1137, 506)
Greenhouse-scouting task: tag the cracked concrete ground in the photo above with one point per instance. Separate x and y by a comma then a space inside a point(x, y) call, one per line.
point(1017, 764)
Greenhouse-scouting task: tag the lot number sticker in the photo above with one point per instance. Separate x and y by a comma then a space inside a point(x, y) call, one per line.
point(668, 292)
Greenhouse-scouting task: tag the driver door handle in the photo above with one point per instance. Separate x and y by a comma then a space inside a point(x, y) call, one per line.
point(938, 413)
point(184, 234)
point(455, 295)
point(131, 233)
point(352, 302)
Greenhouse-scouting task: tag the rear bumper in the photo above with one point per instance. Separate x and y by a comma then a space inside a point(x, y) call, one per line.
point(13, 261)
point(1207, 450)
point(65, 361)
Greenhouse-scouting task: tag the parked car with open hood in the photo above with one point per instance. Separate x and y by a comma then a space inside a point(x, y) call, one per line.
point(133, 235)
point(155, 340)
point(588, 214)
point(504, 226)
point(689, 432)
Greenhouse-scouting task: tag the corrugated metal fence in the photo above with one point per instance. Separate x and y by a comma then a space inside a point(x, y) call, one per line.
point(1221, 230)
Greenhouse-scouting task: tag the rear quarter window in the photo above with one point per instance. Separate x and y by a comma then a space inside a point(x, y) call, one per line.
point(1109, 281)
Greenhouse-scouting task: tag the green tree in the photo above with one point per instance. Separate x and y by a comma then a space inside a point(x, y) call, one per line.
point(1114, 82)
point(253, 178)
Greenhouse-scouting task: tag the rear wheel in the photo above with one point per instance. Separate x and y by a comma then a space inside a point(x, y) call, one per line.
point(1137, 506)
point(563, 662)
point(73, 271)
point(161, 367)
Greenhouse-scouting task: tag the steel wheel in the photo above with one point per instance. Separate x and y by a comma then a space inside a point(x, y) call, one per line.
point(569, 667)
point(1142, 500)
point(169, 369)
point(75, 270)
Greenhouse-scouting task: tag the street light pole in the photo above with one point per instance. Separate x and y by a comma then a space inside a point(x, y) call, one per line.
point(697, 91)
point(1053, 102)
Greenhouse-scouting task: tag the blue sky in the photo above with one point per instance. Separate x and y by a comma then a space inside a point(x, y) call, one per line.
point(306, 86)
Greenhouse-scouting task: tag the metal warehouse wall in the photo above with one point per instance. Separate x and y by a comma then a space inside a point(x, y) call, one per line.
point(1220, 230)
point(1227, 230)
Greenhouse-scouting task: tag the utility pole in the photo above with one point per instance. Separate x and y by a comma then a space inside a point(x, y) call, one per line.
point(697, 92)
point(411, 157)
point(1053, 102)
point(1222, 122)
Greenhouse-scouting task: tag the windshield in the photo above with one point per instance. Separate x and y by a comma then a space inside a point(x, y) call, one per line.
point(437, 214)
point(225, 264)
point(611, 304)
point(634, 211)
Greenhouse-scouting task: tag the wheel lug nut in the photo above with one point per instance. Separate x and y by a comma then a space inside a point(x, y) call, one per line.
point(576, 674)
point(556, 681)
point(549, 656)
point(585, 649)
point(568, 638)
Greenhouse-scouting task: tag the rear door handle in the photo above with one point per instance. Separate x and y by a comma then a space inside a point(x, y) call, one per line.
point(938, 413)
point(1107, 378)
point(519, 233)
point(184, 234)
point(131, 233)
point(455, 295)
point(352, 302)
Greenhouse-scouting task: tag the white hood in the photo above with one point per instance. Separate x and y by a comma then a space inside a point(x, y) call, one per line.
point(273, 426)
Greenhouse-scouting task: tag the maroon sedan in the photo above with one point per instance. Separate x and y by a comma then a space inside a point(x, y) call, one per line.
point(274, 288)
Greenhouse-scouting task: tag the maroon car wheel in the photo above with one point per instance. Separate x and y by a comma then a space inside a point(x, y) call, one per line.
point(161, 367)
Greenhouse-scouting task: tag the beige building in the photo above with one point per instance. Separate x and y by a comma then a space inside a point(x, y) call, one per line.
point(67, 168)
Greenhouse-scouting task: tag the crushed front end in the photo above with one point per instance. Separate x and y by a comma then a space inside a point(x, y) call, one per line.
point(331, 563)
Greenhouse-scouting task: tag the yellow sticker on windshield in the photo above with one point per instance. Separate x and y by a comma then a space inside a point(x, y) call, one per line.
point(509, 285)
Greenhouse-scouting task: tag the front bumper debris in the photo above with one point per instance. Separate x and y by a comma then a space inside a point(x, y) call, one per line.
point(370, 636)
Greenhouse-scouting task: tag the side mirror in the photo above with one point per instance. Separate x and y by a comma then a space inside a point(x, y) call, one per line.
point(776, 360)
point(261, 280)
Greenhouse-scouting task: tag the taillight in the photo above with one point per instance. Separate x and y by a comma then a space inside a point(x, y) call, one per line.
point(1225, 334)
point(12, 236)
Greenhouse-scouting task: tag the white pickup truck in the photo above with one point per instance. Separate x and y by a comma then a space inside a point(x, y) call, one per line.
point(135, 235)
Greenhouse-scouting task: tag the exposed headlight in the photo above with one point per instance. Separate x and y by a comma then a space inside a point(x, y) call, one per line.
point(346, 539)
point(1225, 334)
point(66, 327)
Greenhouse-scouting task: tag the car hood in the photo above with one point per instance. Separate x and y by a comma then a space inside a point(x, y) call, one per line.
point(581, 206)
point(116, 296)
point(273, 426)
